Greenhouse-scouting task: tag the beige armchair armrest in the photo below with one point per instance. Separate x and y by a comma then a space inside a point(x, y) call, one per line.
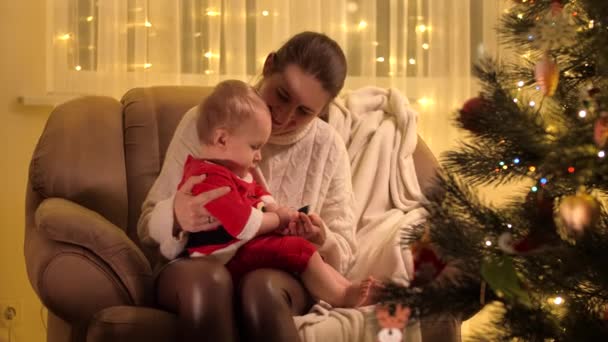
point(130, 323)
point(65, 221)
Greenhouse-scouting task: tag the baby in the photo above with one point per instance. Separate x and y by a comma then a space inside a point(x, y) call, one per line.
point(233, 125)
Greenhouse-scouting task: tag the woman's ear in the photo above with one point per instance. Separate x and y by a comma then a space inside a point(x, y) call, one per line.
point(268, 64)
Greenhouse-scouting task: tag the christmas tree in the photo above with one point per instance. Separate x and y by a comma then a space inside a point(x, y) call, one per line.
point(540, 122)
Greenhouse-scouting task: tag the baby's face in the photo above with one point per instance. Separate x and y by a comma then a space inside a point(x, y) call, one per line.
point(245, 143)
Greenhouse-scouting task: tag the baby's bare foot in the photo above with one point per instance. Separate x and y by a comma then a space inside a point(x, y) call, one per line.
point(363, 293)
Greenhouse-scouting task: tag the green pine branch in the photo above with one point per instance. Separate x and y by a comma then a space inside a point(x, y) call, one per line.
point(550, 144)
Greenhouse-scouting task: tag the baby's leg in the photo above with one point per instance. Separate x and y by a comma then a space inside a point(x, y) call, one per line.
point(325, 283)
point(337, 276)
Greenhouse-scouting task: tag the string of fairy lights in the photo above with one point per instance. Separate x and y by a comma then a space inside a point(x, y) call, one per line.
point(422, 29)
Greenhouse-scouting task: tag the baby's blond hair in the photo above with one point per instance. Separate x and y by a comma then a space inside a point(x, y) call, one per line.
point(231, 103)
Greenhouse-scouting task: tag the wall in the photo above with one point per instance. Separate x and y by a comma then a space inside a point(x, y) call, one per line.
point(22, 71)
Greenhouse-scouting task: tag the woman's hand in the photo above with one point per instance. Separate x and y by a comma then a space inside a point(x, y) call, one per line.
point(309, 227)
point(190, 213)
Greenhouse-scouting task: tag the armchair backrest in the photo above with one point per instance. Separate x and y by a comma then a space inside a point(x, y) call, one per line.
point(105, 156)
point(80, 157)
point(150, 118)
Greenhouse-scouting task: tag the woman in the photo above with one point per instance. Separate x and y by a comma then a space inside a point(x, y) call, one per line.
point(304, 163)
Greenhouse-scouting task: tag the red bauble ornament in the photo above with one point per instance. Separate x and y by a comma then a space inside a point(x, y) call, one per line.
point(473, 105)
point(427, 264)
point(471, 112)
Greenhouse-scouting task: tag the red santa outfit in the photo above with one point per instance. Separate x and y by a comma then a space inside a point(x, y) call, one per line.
point(235, 242)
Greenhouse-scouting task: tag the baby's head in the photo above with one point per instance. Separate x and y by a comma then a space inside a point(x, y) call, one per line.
point(233, 125)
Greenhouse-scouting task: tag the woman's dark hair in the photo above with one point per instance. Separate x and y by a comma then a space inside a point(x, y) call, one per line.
point(317, 55)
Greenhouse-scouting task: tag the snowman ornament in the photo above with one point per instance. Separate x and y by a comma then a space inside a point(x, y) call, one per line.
point(392, 325)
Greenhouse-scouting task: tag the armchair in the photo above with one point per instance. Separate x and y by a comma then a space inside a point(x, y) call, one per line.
point(90, 172)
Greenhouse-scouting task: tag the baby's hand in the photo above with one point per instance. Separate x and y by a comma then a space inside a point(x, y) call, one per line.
point(286, 215)
point(307, 227)
point(289, 229)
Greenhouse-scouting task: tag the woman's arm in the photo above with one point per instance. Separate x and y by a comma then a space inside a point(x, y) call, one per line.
point(333, 230)
point(337, 214)
point(157, 221)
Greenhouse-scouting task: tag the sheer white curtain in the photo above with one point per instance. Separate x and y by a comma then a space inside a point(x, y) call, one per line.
point(425, 48)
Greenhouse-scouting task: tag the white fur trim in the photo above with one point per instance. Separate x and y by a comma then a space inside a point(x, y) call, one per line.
point(267, 199)
point(248, 178)
point(160, 226)
point(221, 255)
point(252, 226)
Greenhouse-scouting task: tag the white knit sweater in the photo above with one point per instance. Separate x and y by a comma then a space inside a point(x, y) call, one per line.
point(308, 167)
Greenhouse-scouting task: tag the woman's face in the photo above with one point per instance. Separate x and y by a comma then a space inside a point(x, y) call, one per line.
point(294, 97)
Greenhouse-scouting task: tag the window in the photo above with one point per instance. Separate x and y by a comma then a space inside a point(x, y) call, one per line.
point(425, 48)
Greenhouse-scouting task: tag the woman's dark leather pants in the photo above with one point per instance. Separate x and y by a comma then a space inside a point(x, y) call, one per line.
point(268, 301)
point(200, 292)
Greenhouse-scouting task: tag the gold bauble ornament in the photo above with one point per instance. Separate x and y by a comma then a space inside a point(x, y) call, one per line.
point(577, 214)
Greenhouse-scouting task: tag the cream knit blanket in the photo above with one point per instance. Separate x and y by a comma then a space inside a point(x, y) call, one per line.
point(379, 129)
